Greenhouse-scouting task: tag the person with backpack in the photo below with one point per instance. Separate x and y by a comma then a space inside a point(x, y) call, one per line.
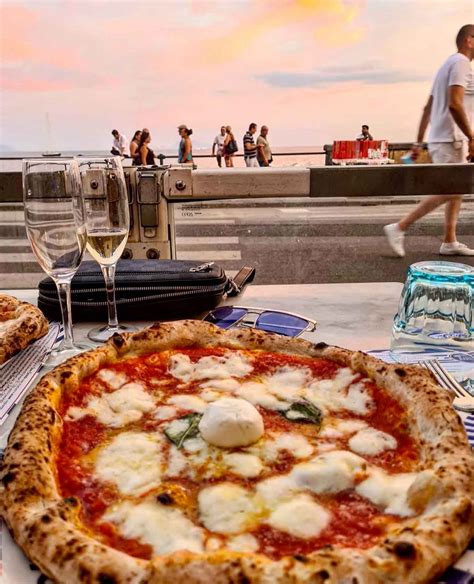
point(230, 147)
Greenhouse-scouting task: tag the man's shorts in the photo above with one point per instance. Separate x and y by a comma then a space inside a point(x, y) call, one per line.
point(448, 152)
point(251, 161)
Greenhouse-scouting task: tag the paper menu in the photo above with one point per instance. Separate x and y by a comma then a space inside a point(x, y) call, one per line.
point(18, 372)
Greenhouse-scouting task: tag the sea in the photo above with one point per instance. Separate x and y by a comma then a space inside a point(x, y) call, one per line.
point(283, 156)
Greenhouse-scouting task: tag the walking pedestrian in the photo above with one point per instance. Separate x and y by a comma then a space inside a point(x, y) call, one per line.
point(230, 147)
point(218, 146)
point(264, 153)
point(134, 152)
point(450, 139)
point(250, 148)
point(147, 156)
point(120, 144)
point(185, 150)
point(365, 134)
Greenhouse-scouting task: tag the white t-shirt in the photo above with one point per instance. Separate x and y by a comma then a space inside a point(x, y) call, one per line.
point(219, 141)
point(122, 142)
point(455, 71)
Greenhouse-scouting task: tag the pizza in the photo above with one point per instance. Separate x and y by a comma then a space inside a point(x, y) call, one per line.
point(20, 324)
point(187, 454)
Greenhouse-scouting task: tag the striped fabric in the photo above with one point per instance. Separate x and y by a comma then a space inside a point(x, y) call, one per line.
point(469, 425)
point(248, 140)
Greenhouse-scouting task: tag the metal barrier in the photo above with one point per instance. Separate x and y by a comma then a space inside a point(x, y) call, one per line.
point(154, 192)
point(396, 150)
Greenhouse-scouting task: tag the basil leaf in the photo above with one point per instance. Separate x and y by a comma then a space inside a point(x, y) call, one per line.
point(189, 428)
point(304, 412)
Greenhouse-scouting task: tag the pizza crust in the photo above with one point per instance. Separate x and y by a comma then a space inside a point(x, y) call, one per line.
point(415, 550)
point(20, 324)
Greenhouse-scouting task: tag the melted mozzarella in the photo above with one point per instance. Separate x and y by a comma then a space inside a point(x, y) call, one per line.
point(188, 402)
point(340, 393)
point(296, 444)
point(221, 385)
point(231, 364)
point(132, 461)
point(275, 489)
point(288, 382)
point(165, 413)
point(244, 542)
point(243, 464)
point(226, 508)
point(331, 472)
point(388, 491)
point(230, 423)
point(112, 378)
point(301, 517)
point(257, 394)
point(166, 529)
point(118, 408)
point(370, 442)
point(177, 462)
point(336, 428)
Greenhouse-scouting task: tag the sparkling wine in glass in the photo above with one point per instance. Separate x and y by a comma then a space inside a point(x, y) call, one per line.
point(108, 223)
point(56, 229)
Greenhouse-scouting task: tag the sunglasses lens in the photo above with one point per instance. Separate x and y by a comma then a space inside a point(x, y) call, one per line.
point(283, 324)
point(225, 316)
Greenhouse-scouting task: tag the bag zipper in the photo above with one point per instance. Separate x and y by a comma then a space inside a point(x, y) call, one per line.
point(136, 289)
point(121, 301)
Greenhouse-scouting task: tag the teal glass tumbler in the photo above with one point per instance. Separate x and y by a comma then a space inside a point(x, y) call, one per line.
point(436, 308)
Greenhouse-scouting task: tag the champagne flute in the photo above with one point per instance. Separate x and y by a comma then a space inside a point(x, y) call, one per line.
point(108, 222)
point(56, 229)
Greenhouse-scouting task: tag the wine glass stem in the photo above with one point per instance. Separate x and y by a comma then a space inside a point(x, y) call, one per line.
point(109, 277)
point(64, 293)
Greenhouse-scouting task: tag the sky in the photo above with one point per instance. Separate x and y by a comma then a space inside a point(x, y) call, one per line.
point(311, 70)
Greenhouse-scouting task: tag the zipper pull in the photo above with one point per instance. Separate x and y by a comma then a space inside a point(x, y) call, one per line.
point(203, 267)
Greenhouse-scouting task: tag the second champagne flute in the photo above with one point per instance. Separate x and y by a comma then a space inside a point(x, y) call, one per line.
point(108, 223)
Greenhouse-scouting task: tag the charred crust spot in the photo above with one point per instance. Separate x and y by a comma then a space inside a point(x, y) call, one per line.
point(404, 549)
point(16, 446)
point(165, 499)
point(72, 501)
point(104, 578)
point(46, 519)
point(301, 558)
point(52, 415)
point(84, 574)
point(321, 345)
point(400, 372)
point(118, 340)
point(66, 375)
point(8, 478)
point(322, 575)
point(464, 514)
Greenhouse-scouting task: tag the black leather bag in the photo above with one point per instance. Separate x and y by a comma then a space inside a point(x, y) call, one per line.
point(146, 290)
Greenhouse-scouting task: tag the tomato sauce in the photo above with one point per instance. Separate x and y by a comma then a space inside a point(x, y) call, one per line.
point(353, 524)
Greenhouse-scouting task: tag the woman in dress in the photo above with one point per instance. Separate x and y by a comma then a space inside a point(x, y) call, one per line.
point(134, 153)
point(229, 147)
point(185, 150)
point(146, 154)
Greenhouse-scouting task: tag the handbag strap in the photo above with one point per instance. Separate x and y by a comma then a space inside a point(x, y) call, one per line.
point(236, 284)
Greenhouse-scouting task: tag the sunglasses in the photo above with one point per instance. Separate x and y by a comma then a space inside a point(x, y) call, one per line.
point(271, 321)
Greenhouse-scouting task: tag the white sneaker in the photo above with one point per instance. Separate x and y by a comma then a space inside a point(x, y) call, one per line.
point(455, 248)
point(395, 237)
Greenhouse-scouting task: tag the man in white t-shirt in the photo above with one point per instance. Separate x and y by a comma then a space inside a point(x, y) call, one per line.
point(120, 145)
point(449, 111)
point(218, 146)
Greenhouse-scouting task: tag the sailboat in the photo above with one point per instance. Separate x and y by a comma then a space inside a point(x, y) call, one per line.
point(49, 153)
